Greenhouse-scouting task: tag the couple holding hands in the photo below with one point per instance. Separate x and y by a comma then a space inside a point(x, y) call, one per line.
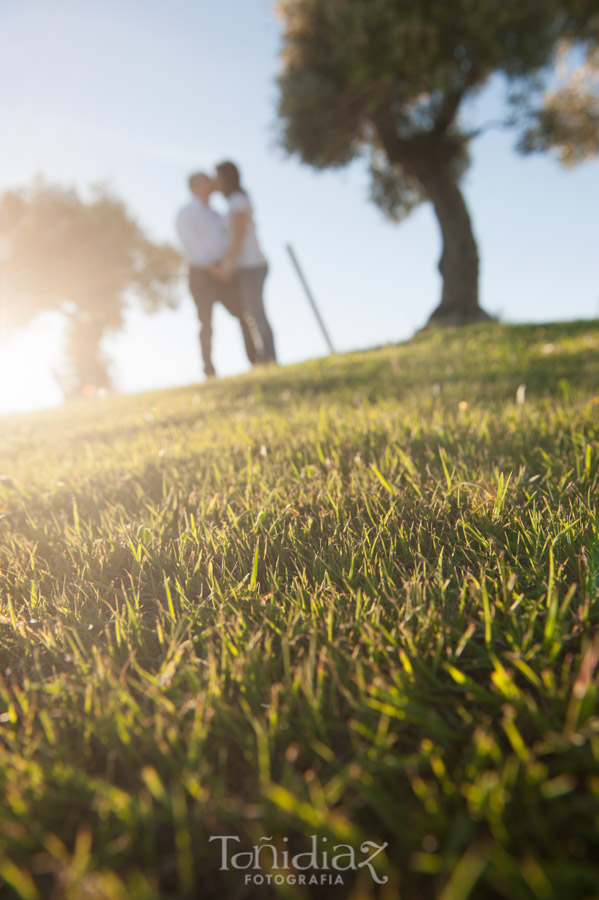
point(225, 262)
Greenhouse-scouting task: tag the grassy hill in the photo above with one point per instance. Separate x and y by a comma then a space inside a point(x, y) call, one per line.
point(350, 601)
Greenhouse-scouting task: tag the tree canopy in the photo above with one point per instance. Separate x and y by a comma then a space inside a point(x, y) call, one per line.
point(389, 78)
point(84, 257)
point(568, 119)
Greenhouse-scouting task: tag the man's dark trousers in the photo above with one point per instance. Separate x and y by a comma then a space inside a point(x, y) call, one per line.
point(206, 290)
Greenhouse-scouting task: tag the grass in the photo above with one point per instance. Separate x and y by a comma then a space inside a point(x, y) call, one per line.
point(356, 599)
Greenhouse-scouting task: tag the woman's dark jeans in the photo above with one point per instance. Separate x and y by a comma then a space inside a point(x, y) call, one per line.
point(251, 284)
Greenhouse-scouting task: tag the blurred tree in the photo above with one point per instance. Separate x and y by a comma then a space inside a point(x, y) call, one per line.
point(568, 119)
point(86, 259)
point(389, 77)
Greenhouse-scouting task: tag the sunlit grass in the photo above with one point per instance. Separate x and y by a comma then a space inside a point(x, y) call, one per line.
point(355, 598)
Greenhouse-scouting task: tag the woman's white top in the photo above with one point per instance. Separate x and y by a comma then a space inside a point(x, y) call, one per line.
point(250, 256)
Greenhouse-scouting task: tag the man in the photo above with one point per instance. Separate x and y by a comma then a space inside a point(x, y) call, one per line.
point(202, 233)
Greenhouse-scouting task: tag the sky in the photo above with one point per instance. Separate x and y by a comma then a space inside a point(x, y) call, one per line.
point(139, 94)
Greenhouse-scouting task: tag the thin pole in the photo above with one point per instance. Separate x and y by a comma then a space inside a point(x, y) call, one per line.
point(310, 297)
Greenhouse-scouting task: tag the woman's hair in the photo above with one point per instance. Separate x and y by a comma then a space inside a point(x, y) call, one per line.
point(230, 179)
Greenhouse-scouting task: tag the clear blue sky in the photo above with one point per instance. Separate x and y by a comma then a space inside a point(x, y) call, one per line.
point(139, 93)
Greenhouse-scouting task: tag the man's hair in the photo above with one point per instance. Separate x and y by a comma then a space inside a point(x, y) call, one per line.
point(230, 178)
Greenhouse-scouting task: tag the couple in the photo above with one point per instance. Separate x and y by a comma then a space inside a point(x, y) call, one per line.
point(225, 262)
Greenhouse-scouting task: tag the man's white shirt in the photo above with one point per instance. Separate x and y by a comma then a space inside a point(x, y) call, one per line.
point(203, 234)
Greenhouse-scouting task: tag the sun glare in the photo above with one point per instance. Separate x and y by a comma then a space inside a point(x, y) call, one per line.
point(27, 362)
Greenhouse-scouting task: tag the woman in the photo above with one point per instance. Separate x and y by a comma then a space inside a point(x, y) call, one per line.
point(245, 261)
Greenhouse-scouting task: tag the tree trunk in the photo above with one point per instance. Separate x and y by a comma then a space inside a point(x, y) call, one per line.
point(459, 260)
point(432, 159)
point(86, 369)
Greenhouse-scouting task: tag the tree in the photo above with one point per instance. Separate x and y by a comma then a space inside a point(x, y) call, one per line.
point(390, 77)
point(568, 119)
point(85, 258)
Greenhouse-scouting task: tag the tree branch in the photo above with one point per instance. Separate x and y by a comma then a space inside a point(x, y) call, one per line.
point(487, 126)
point(448, 110)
